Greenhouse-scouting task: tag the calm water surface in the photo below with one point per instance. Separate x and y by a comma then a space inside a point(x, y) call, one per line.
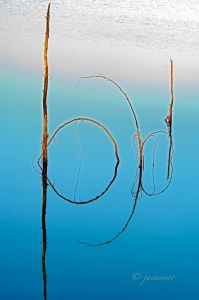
point(131, 42)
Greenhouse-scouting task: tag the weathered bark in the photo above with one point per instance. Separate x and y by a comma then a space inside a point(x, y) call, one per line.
point(45, 91)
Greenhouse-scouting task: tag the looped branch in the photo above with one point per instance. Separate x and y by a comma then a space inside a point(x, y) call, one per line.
point(116, 156)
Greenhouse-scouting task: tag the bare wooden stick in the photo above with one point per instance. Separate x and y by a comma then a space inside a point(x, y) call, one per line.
point(45, 91)
point(171, 121)
point(172, 98)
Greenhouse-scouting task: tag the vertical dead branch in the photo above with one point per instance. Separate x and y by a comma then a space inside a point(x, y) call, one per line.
point(172, 99)
point(170, 117)
point(45, 154)
point(45, 91)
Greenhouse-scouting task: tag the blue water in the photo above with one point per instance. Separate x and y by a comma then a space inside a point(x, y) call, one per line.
point(161, 238)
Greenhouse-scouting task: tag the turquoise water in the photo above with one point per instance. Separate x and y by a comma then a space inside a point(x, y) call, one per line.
point(161, 239)
point(162, 236)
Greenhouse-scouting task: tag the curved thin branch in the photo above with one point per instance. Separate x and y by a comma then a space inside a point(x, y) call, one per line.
point(116, 155)
point(91, 121)
point(125, 95)
point(152, 134)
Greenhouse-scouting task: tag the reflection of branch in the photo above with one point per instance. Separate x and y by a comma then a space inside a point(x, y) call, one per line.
point(116, 155)
point(77, 182)
point(136, 196)
point(117, 235)
point(80, 156)
point(170, 157)
point(92, 199)
point(44, 232)
point(153, 165)
point(146, 139)
point(164, 189)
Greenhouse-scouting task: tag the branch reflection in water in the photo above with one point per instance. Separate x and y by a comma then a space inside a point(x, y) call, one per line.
point(44, 231)
point(139, 154)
